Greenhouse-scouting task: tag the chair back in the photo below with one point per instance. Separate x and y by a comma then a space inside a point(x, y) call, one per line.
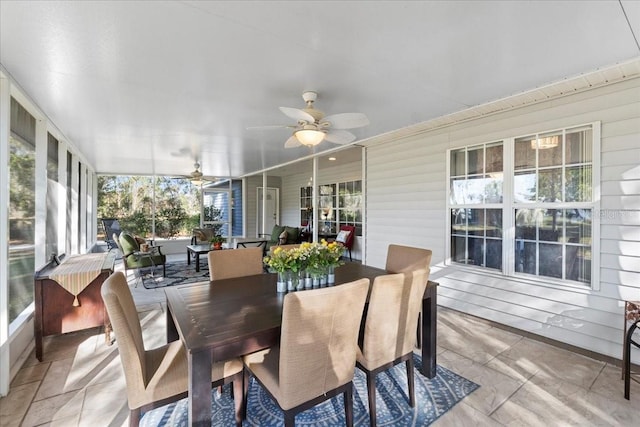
point(126, 326)
point(230, 263)
point(319, 340)
point(347, 241)
point(392, 315)
point(402, 259)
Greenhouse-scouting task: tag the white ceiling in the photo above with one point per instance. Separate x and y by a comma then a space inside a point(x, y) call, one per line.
point(146, 87)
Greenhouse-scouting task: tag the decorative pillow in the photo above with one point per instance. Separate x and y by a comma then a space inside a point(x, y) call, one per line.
point(282, 238)
point(140, 240)
point(200, 236)
point(275, 233)
point(292, 234)
point(343, 236)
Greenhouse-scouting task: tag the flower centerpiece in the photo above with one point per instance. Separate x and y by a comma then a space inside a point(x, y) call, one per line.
point(287, 264)
point(216, 241)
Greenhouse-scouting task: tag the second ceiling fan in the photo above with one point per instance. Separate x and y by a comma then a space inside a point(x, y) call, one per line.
point(313, 126)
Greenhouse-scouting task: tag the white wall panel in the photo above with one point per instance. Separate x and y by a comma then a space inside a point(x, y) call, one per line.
point(406, 190)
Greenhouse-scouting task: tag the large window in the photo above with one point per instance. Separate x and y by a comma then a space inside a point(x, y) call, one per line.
point(338, 204)
point(549, 205)
point(22, 209)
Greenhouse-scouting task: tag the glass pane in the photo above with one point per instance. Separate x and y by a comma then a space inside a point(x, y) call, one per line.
point(476, 222)
point(457, 162)
point(494, 158)
point(578, 226)
point(494, 254)
point(524, 187)
point(526, 220)
point(551, 226)
point(475, 189)
point(22, 212)
point(578, 184)
point(579, 143)
point(525, 257)
point(550, 185)
point(51, 246)
point(458, 249)
point(578, 265)
point(525, 155)
point(549, 150)
point(493, 189)
point(458, 191)
point(459, 221)
point(476, 160)
point(476, 251)
point(494, 222)
point(551, 260)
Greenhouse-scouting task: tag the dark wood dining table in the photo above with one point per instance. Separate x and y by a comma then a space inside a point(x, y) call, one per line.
point(222, 319)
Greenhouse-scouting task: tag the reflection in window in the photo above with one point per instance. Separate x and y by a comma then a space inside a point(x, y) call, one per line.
point(22, 209)
point(476, 237)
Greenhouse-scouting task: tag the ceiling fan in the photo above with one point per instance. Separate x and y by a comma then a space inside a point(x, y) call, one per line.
point(197, 177)
point(313, 126)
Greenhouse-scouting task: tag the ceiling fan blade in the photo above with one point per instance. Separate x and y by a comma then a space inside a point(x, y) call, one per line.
point(271, 127)
point(339, 136)
point(346, 120)
point(297, 114)
point(292, 142)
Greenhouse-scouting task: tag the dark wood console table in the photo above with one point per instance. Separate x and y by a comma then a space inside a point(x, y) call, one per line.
point(58, 311)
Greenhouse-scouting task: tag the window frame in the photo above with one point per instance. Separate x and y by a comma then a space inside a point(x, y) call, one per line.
point(509, 206)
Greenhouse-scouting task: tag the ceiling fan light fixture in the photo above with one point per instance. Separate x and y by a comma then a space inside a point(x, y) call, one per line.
point(309, 137)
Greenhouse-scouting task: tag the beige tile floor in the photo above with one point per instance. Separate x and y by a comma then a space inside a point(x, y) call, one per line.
point(523, 382)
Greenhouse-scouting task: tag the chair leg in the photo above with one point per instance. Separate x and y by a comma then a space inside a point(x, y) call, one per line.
point(350, 259)
point(627, 359)
point(238, 399)
point(134, 417)
point(410, 381)
point(164, 270)
point(245, 392)
point(371, 390)
point(289, 419)
point(348, 406)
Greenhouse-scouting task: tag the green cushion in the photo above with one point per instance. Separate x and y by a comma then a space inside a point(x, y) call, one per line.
point(275, 233)
point(293, 233)
point(128, 243)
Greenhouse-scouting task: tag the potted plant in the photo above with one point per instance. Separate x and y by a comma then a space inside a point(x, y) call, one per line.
point(216, 241)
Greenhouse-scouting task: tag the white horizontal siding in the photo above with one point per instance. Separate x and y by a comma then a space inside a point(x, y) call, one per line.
point(406, 190)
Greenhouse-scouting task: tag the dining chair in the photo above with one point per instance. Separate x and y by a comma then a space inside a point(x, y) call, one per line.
point(402, 259)
point(158, 376)
point(315, 359)
point(387, 338)
point(230, 263)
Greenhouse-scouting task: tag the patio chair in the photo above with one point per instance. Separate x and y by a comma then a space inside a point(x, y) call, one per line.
point(159, 376)
point(388, 337)
point(346, 236)
point(315, 359)
point(130, 248)
point(111, 227)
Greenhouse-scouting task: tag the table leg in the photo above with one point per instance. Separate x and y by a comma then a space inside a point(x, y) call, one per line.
point(188, 257)
point(200, 388)
point(197, 262)
point(429, 329)
point(172, 331)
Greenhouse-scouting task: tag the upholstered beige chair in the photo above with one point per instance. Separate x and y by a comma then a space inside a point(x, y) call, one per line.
point(315, 360)
point(388, 337)
point(159, 376)
point(230, 263)
point(402, 259)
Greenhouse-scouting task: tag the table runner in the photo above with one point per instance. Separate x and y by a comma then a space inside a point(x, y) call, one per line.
point(77, 272)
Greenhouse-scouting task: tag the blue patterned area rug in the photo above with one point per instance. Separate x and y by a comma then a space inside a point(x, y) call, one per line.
point(433, 398)
point(177, 273)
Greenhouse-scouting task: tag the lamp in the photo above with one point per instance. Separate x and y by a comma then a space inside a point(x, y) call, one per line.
point(196, 181)
point(545, 142)
point(309, 136)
